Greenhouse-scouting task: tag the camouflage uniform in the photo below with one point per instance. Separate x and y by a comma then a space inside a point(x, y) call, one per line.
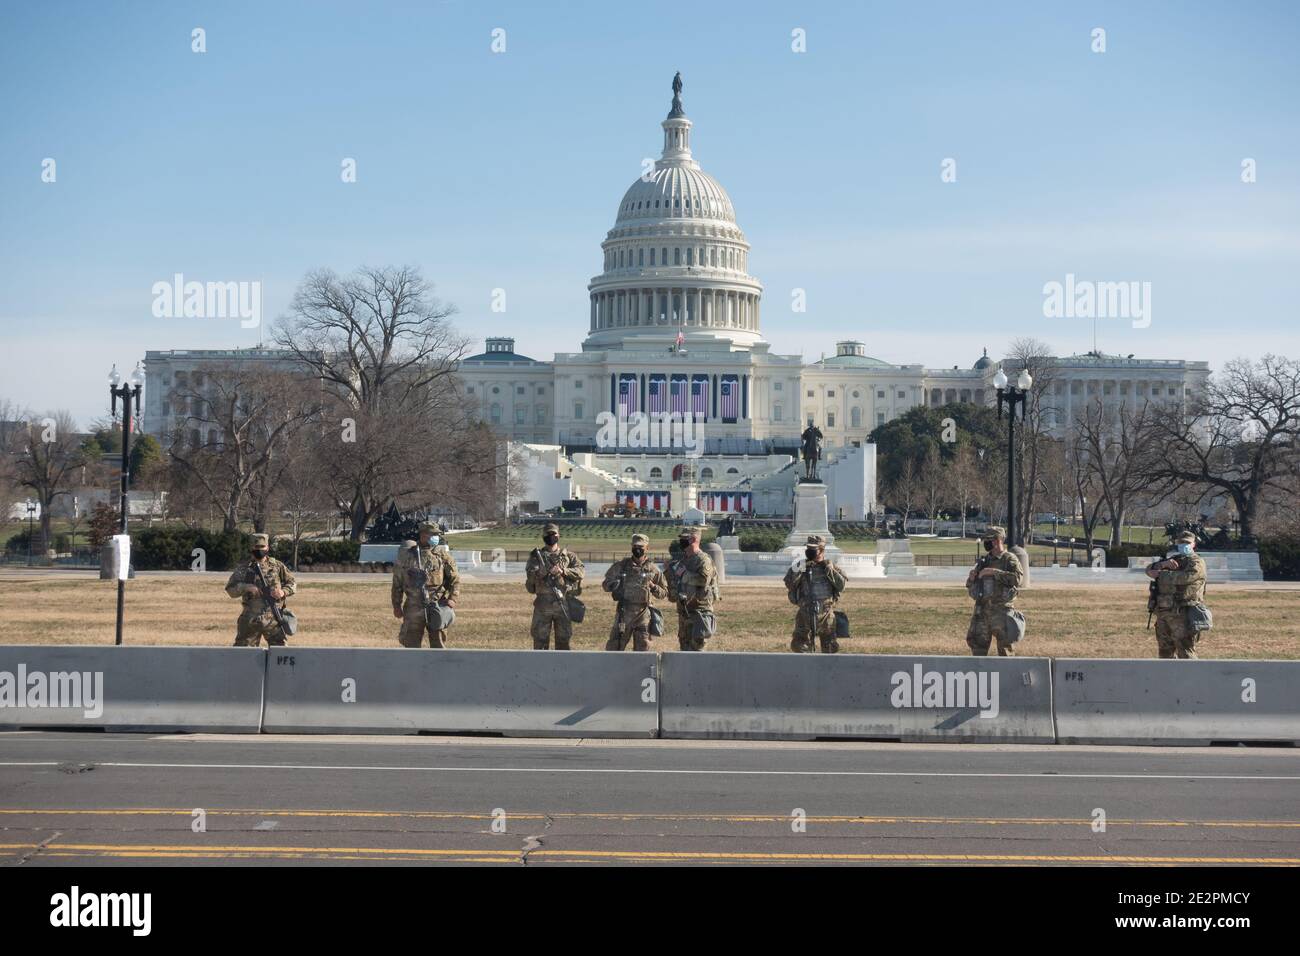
point(816, 589)
point(692, 584)
point(415, 570)
point(549, 609)
point(635, 583)
point(256, 620)
point(993, 597)
point(1174, 591)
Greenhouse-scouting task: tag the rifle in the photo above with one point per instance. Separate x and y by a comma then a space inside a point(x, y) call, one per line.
point(1151, 601)
point(265, 588)
point(618, 604)
point(816, 604)
point(556, 589)
point(980, 564)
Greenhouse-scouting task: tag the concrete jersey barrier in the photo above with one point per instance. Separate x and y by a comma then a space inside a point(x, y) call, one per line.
point(1188, 703)
point(514, 693)
point(905, 698)
point(198, 689)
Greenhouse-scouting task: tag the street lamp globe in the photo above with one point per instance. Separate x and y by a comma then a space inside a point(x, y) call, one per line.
point(137, 377)
point(113, 377)
point(1025, 380)
point(1000, 380)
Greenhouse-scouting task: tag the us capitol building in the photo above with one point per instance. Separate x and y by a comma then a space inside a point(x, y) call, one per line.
point(674, 327)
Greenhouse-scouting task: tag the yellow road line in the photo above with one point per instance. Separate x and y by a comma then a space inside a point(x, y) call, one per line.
point(388, 853)
point(665, 817)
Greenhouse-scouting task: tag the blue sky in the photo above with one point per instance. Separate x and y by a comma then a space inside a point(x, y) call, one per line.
point(505, 170)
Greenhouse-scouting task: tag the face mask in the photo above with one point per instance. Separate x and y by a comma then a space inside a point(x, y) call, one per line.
point(811, 553)
point(259, 554)
point(1183, 549)
point(637, 551)
point(433, 540)
point(988, 545)
point(551, 538)
point(684, 542)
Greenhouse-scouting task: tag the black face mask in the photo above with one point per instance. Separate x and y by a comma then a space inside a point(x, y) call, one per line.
point(259, 554)
point(988, 545)
point(551, 538)
point(684, 542)
point(811, 553)
point(638, 551)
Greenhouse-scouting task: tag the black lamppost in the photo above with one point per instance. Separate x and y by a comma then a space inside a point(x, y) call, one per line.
point(31, 515)
point(1011, 395)
point(129, 393)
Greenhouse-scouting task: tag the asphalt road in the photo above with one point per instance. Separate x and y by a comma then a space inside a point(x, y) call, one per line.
point(105, 799)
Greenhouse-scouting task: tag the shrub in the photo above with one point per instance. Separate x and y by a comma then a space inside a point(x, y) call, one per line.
point(1279, 558)
point(315, 552)
point(18, 542)
point(172, 549)
point(761, 541)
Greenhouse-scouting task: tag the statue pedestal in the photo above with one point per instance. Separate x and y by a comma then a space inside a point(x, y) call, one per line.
point(810, 518)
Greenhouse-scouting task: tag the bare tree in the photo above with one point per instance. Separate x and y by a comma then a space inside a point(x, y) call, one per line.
point(904, 489)
point(48, 458)
point(234, 427)
point(965, 480)
point(1238, 439)
point(1116, 440)
point(1088, 497)
point(385, 350)
point(13, 433)
point(933, 484)
point(302, 488)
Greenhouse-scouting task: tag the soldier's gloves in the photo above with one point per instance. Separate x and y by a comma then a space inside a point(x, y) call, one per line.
point(397, 612)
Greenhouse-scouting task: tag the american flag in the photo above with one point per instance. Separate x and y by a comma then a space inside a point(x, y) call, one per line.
point(677, 395)
point(729, 399)
point(657, 396)
point(627, 397)
point(700, 396)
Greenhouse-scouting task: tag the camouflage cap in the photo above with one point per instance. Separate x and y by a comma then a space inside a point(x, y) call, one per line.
point(640, 539)
point(689, 532)
point(993, 531)
point(429, 527)
point(551, 528)
point(817, 540)
point(1185, 537)
point(261, 541)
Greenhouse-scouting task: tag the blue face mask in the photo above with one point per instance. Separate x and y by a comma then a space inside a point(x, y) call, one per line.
point(433, 540)
point(1183, 549)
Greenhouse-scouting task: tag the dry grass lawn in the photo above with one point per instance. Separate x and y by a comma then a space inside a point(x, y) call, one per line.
point(1075, 622)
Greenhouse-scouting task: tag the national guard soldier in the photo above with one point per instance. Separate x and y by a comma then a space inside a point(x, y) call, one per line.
point(257, 619)
point(554, 574)
point(815, 588)
point(1179, 586)
point(426, 576)
point(693, 586)
point(635, 582)
point(993, 583)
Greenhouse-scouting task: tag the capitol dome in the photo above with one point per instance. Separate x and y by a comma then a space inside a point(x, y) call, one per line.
point(675, 262)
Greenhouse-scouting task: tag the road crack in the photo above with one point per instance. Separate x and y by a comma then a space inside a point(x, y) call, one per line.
point(39, 847)
point(534, 842)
